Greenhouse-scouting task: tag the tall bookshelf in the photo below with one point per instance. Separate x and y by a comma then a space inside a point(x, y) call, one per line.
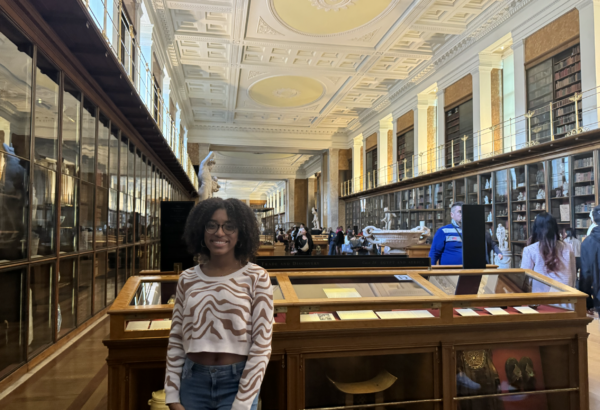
point(554, 81)
point(406, 149)
point(459, 122)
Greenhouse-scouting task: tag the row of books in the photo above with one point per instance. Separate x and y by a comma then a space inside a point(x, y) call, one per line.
point(568, 80)
point(584, 162)
point(584, 176)
point(583, 223)
point(568, 90)
point(585, 207)
point(567, 71)
point(584, 190)
point(576, 57)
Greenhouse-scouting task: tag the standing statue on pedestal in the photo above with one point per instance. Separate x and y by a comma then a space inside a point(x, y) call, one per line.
point(315, 220)
point(388, 220)
point(502, 236)
point(207, 188)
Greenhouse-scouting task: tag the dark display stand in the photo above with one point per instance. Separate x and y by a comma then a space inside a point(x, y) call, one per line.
point(173, 249)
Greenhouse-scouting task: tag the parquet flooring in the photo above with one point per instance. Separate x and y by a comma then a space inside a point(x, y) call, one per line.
point(78, 379)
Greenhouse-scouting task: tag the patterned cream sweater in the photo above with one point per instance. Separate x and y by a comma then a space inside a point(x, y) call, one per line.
point(228, 314)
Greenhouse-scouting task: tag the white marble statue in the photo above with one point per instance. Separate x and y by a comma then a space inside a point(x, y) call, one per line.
point(487, 184)
point(489, 218)
point(541, 194)
point(388, 220)
point(486, 200)
point(315, 220)
point(565, 188)
point(215, 184)
point(491, 232)
point(521, 197)
point(206, 166)
point(502, 237)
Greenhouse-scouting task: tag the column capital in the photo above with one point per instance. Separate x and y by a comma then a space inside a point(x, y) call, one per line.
point(387, 122)
point(358, 140)
point(489, 61)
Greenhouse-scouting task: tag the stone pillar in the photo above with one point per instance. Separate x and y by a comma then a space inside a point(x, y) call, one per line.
point(482, 104)
point(145, 69)
point(332, 192)
point(520, 126)
point(310, 201)
point(357, 161)
point(589, 40)
point(166, 95)
point(321, 204)
point(384, 173)
point(421, 157)
point(395, 150)
point(441, 127)
point(289, 203)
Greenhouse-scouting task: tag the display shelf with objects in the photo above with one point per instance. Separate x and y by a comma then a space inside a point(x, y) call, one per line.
point(486, 185)
point(472, 185)
point(397, 319)
point(539, 96)
point(501, 202)
point(584, 195)
point(518, 213)
point(567, 81)
point(537, 191)
point(560, 199)
point(460, 190)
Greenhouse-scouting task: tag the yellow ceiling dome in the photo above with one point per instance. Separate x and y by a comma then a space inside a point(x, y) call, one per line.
point(286, 91)
point(323, 17)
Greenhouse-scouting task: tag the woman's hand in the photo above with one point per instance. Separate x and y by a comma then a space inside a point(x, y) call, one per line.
point(176, 406)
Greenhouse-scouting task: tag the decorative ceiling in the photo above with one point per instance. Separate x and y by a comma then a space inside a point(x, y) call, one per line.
point(300, 64)
point(246, 189)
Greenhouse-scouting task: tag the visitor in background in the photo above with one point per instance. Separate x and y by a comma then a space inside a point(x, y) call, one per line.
point(340, 240)
point(575, 243)
point(304, 242)
point(547, 254)
point(589, 281)
point(331, 241)
point(447, 242)
point(490, 245)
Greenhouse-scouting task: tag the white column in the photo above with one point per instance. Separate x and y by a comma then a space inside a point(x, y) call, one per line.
point(423, 103)
point(145, 69)
point(482, 104)
point(508, 100)
point(357, 152)
point(384, 175)
point(365, 179)
point(166, 94)
point(395, 164)
point(332, 190)
point(441, 127)
point(290, 186)
point(520, 126)
point(589, 27)
point(310, 198)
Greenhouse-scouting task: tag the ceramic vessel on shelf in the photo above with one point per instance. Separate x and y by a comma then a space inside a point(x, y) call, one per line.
point(396, 240)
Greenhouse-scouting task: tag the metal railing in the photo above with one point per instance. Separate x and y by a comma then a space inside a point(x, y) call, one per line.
point(120, 36)
point(533, 128)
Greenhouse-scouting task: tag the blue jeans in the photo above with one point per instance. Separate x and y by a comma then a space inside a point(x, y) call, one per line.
point(331, 248)
point(210, 387)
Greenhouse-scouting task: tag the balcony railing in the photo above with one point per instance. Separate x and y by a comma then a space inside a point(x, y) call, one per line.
point(119, 34)
point(531, 129)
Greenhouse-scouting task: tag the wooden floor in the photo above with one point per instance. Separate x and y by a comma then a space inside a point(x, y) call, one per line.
point(78, 378)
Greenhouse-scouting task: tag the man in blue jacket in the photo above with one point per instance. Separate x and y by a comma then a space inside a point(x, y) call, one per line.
point(447, 242)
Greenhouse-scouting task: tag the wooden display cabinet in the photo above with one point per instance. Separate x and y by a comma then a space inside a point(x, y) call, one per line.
point(349, 337)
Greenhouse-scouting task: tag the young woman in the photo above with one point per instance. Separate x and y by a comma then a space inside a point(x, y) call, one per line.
point(304, 242)
point(220, 340)
point(575, 243)
point(547, 254)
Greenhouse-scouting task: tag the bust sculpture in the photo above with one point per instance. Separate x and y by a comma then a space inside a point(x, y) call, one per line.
point(206, 166)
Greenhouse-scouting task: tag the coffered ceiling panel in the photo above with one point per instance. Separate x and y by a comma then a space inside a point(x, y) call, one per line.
point(303, 64)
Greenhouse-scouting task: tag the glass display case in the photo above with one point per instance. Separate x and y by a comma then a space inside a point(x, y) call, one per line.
point(501, 201)
point(560, 199)
point(537, 190)
point(518, 213)
point(584, 193)
point(460, 191)
point(472, 185)
point(486, 198)
point(412, 313)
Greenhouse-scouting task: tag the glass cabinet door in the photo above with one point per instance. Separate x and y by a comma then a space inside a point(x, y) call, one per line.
point(440, 206)
point(560, 203)
point(518, 213)
point(501, 203)
point(584, 195)
point(472, 191)
point(420, 197)
point(428, 197)
point(537, 190)
point(449, 200)
point(460, 190)
point(486, 199)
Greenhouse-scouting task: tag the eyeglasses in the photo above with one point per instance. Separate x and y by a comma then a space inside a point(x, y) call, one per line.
point(228, 227)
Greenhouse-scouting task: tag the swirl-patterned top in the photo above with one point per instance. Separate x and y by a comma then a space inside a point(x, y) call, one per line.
point(226, 314)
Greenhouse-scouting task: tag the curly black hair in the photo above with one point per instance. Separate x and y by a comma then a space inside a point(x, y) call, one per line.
point(237, 212)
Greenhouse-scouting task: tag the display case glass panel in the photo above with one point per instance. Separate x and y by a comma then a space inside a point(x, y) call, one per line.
point(86, 215)
point(12, 306)
point(501, 203)
point(513, 368)
point(352, 379)
point(460, 190)
point(103, 151)
point(67, 303)
point(69, 214)
point(111, 277)
point(277, 293)
point(486, 199)
point(47, 91)
point(85, 288)
point(41, 326)
point(122, 268)
point(537, 190)
point(113, 221)
point(584, 192)
point(17, 53)
point(43, 219)
point(155, 293)
point(131, 169)
point(113, 146)
point(356, 287)
point(560, 199)
point(14, 200)
point(101, 217)
point(99, 281)
point(539, 96)
point(472, 197)
point(88, 141)
point(123, 157)
point(518, 213)
point(71, 137)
